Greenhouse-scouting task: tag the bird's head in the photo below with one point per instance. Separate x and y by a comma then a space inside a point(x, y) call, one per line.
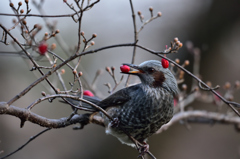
point(153, 74)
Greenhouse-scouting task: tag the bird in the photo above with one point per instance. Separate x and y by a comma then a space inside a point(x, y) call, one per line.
point(140, 109)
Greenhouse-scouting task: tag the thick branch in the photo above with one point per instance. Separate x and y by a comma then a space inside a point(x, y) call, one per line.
point(26, 115)
point(197, 114)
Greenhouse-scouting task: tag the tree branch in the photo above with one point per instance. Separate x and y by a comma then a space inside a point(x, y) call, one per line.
point(31, 139)
point(197, 114)
point(26, 115)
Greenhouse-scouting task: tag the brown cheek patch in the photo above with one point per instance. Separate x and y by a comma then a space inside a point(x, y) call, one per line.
point(159, 79)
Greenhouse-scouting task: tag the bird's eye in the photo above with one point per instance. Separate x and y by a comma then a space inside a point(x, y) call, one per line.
point(151, 70)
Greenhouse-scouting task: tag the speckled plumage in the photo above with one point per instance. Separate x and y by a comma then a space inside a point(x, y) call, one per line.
point(143, 108)
point(142, 115)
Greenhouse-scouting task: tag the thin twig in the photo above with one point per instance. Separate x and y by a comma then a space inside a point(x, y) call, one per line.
point(38, 15)
point(61, 44)
point(57, 72)
point(146, 22)
point(31, 139)
point(79, 31)
point(135, 38)
point(30, 58)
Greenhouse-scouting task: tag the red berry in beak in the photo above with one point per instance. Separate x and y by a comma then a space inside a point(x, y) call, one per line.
point(88, 93)
point(125, 68)
point(43, 48)
point(165, 63)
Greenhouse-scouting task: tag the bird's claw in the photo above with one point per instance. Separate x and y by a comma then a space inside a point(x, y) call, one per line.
point(143, 149)
point(115, 122)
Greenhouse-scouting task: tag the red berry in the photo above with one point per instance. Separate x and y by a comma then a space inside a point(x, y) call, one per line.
point(43, 48)
point(165, 63)
point(88, 93)
point(125, 68)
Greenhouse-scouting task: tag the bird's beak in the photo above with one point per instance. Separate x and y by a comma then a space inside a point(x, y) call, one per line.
point(137, 71)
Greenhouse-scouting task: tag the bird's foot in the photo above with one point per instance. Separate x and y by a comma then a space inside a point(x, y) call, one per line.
point(115, 123)
point(144, 148)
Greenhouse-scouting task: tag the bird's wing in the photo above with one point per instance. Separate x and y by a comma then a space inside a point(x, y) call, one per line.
point(118, 98)
point(94, 100)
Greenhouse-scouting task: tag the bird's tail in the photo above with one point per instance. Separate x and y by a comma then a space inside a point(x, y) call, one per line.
point(94, 100)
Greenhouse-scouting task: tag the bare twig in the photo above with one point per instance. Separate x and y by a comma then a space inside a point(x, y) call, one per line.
point(31, 139)
point(135, 37)
point(31, 59)
point(39, 15)
point(147, 22)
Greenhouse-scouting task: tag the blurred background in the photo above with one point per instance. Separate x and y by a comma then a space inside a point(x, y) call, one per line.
point(212, 25)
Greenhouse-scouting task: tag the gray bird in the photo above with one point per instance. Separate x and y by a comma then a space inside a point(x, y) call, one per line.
point(143, 108)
